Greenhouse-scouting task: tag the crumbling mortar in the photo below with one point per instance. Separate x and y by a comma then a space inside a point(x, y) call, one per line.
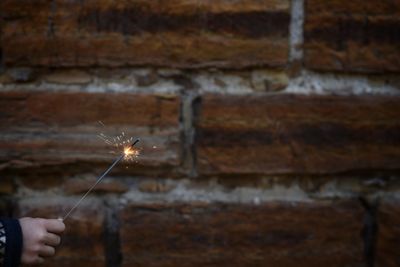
point(370, 230)
point(187, 120)
point(51, 26)
point(307, 82)
point(112, 245)
point(296, 38)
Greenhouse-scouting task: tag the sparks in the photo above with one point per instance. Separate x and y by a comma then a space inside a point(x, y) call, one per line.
point(122, 143)
point(129, 151)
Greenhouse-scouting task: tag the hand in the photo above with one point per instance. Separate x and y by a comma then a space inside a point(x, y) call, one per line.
point(40, 237)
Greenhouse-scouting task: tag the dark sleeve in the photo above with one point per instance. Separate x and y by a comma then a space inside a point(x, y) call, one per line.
point(12, 242)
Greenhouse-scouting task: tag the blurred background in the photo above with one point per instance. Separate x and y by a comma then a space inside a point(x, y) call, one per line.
point(270, 129)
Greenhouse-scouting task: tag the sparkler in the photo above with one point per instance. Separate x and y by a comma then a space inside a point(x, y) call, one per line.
point(128, 153)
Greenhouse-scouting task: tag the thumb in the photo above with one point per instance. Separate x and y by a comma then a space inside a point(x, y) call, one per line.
point(54, 226)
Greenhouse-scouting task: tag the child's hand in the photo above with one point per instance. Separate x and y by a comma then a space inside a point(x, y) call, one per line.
point(40, 237)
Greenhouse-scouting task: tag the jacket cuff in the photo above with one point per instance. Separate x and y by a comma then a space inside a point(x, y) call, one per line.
point(3, 242)
point(13, 248)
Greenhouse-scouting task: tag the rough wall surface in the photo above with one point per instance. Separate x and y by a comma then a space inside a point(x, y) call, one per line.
point(356, 36)
point(270, 130)
point(165, 33)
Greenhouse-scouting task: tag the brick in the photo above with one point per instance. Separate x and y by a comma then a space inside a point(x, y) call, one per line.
point(38, 179)
point(372, 7)
point(155, 187)
point(293, 134)
point(68, 77)
point(21, 75)
point(82, 242)
point(53, 129)
point(7, 185)
point(80, 186)
point(175, 33)
point(25, 16)
point(355, 36)
point(387, 251)
point(271, 234)
point(5, 78)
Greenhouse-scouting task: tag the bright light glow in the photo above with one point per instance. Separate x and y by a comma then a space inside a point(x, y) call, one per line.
point(130, 153)
point(124, 143)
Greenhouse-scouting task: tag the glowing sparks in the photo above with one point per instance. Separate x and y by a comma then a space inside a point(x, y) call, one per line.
point(130, 153)
point(121, 143)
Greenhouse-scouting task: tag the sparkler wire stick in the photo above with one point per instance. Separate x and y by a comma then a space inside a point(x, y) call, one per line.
point(98, 181)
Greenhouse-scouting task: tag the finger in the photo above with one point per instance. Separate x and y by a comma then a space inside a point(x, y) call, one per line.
point(47, 251)
point(52, 239)
point(38, 261)
point(54, 226)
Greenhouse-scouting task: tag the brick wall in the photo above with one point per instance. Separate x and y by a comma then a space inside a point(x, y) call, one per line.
point(270, 130)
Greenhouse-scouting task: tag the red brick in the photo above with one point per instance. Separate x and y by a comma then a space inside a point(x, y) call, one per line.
point(273, 234)
point(68, 77)
point(38, 179)
point(80, 186)
point(175, 33)
point(25, 16)
point(82, 242)
point(286, 134)
point(355, 36)
point(53, 128)
point(70, 109)
point(388, 244)
point(372, 7)
point(7, 185)
point(155, 187)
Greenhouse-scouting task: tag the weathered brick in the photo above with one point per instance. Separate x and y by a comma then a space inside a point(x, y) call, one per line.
point(68, 77)
point(25, 17)
point(388, 244)
point(285, 134)
point(155, 187)
point(355, 36)
point(273, 234)
point(21, 75)
point(168, 33)
point(80, 186)
point(5, 78)
point(56, 129)
point(38, 179)
point(82, 242)
point(7, 185)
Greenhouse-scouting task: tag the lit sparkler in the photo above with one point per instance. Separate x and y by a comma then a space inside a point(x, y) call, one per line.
point(118, 142)
point(129, 153)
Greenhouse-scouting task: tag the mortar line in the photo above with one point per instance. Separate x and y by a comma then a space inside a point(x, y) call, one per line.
point(188, 132)
point(369, 231)
point(296, 31)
